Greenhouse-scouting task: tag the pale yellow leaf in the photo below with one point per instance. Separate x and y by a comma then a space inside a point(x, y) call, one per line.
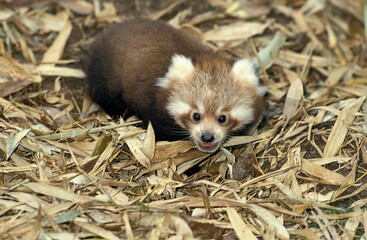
point(235, 31)
point(341, 127)
point(242, 230)
point(293, 99)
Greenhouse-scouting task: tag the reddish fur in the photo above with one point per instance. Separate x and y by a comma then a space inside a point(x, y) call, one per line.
point(127, 60)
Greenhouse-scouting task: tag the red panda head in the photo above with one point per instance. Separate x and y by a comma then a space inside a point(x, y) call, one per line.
point(211, 98)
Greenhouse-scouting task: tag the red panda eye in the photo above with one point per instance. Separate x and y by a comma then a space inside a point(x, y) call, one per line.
point(222, 119)
point(196, 117)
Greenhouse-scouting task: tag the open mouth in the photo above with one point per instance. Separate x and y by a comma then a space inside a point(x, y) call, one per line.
point(207, 147)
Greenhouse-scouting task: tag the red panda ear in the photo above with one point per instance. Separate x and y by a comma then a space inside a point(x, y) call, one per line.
point(244, 70)
point(180, 69)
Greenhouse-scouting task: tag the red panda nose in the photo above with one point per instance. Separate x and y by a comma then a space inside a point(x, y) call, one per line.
point(207, 137)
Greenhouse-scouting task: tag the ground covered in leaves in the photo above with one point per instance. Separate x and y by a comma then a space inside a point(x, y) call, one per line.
point(68, 171)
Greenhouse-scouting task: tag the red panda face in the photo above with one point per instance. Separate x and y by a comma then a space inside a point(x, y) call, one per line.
point(211, 99)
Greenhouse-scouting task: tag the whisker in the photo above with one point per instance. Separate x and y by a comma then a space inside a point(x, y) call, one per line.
point(176, 131)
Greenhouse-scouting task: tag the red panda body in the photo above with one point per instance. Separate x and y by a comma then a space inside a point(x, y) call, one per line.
point(184, 89)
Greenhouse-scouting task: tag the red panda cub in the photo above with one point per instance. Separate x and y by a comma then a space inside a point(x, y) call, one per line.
point(184, 89)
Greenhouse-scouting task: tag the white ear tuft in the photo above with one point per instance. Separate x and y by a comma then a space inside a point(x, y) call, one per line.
point(244, 70)
point(180, 69)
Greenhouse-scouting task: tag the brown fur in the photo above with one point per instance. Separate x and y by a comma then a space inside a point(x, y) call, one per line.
point(126, 61)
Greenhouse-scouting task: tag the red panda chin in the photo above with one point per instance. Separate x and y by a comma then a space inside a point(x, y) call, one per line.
point(207, 147)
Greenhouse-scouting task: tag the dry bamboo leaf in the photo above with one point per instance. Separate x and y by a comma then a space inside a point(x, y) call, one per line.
point(230, 160)
point(108, 14)
point(188, 162)
point(359, 91)
point(334, 77)
point(313, 6)
point(351, 226)
point(239, 140)
point(161, 13)
point(166, 150)
point(11, 69)
point(319, 197)
point(272, 224)
point(48, 70)
point(328, 176)
point(50, 22)
point(148, 147)
point(295, 163)
point(25, 24)
point(11, 87)
point(355, 8)
point(56, 192)
point(34, 232)
point(293, 99)
point(243, 232)
point(6, 14)
point(13, 142)
point(330, 228)
point(135, 146)
point(300, 20)
point(16, 169)
point(248, 9)
point(117, 196)
point(301, 60)
point(100, 217)
point(334, 44)
point(350, 180)
point(235, 31)
point(341, 127)
point(99, 231)
point(327, 160)
point(128, 230)
point(56, 50)
point(289, 192)
point(364, 222)
point(73, 133)
point(166, 222)
point(11, 111)
point(80, 6)
point(207, 16)
point(163, 185)
point(26, 51)
point(104, 159)
point(102, 143)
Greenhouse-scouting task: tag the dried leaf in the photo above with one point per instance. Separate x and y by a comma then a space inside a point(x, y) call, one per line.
point(13, 142)
point(341, 127)
point(57, 192)
point(293, 99)
point(235, 31)
point(99, 231)
point(272, 224)
point(242, 230)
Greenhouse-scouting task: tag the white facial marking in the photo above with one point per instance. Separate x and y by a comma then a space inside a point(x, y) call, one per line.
point(201, 107)
point(244, 70)
point(177, 107)
point(243, 114)
point(181, 68)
